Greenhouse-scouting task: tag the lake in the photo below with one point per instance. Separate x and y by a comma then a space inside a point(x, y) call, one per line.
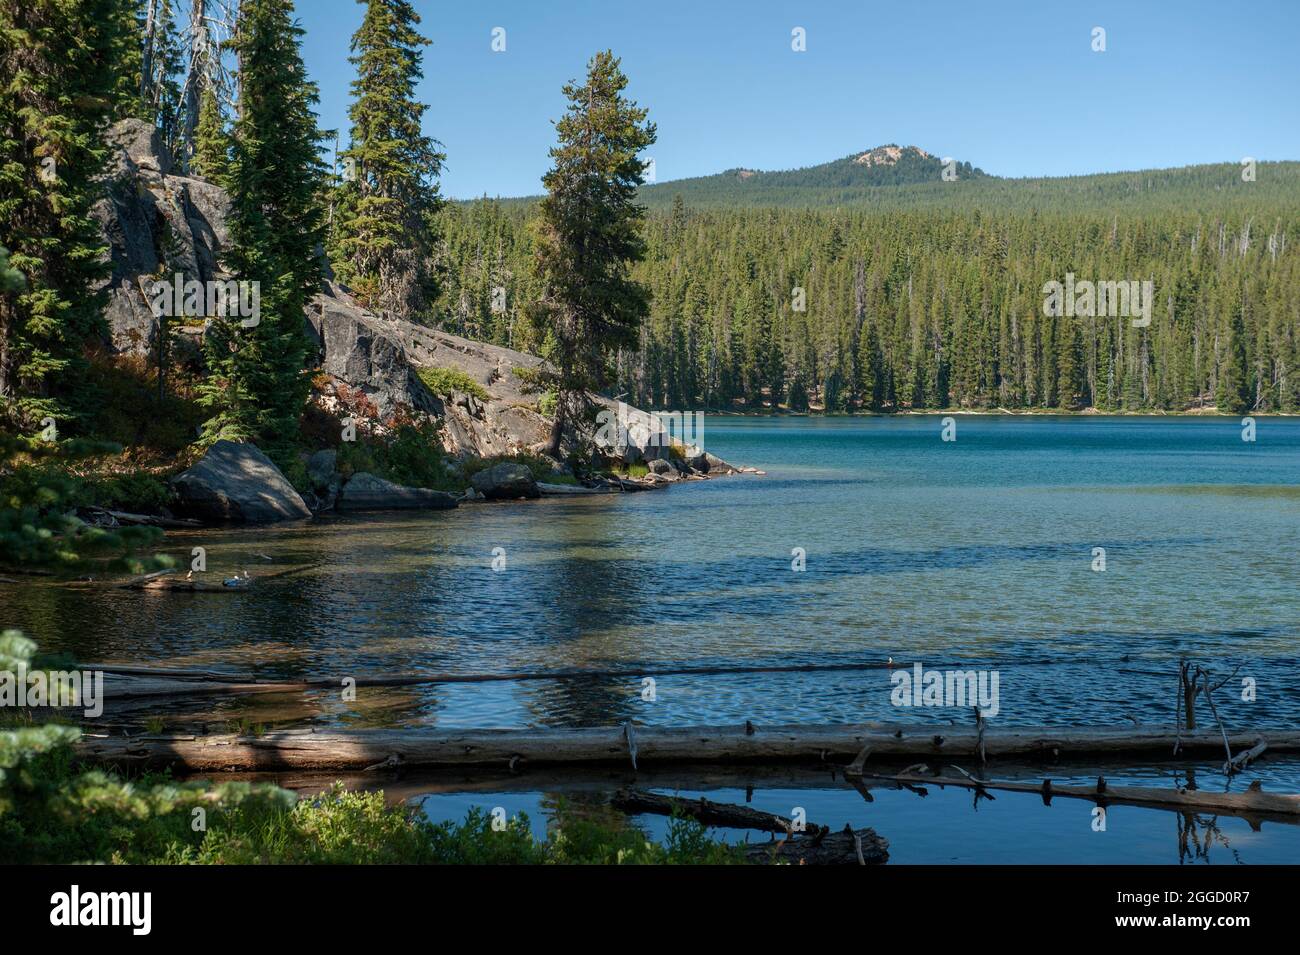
point(978, 553)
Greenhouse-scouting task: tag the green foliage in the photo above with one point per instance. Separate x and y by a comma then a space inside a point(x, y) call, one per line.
point(589, 234)
point(412, 454)
point(576, 838)
point(53, 813)
point(64, 63)
point(382, 241)
point(211, 159)
point(443, 381)
point(258, 381)
point(925, 308)
point(915, 183)
point(39, 493)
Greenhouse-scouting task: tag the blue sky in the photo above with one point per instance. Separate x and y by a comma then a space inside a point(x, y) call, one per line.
point(1013, 87)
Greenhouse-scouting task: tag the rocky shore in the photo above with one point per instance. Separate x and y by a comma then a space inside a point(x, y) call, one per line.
point(374, 373)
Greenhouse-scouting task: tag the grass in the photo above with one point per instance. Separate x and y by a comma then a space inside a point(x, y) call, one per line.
point(443, 381)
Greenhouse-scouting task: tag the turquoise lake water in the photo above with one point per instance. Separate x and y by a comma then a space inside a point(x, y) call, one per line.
point(971, 554)
point(975, 553)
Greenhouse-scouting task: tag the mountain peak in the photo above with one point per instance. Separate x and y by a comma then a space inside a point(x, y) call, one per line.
point(888, 155)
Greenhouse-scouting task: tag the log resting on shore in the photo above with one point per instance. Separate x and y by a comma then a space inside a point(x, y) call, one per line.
point(337, 750)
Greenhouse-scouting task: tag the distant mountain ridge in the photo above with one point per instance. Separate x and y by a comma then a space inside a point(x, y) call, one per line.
point(887, 165)
point(894, 177)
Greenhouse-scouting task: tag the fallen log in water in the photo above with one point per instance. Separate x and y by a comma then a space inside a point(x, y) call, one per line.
point(1253, 802)
point(850, 847)
point(637, 801)
point(119, 686)
point(814, 846)
point(167, 581)
point(424, 746)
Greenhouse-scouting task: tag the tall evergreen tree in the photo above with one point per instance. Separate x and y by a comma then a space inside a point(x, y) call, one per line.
point(1233, 392)
point(211, 159)
point(63, 66)
point(258, 376)
point(589, 234)
point(383, 241)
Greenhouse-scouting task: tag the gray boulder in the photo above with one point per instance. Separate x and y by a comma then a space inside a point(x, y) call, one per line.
point(237, 483)
point(663, 467)
point(322, 468)
point(365, 492)
point(717, 465)
point(506, 481)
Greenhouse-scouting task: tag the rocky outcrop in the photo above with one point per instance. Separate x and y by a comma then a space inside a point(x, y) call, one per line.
point(238, 484)
point(505, 481)
point(379, 360)
point(161, 225)
point(365, 492)
point(158, 225)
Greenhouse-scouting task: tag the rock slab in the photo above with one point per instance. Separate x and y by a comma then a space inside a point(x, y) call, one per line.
point(506, 481)
point(366, 492)
point(237, 484)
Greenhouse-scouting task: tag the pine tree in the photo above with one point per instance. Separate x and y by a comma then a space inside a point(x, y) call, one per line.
point(63, 63)
point(383, 242)
point(211, 159)
point(590, 231)
point(258, 377)
point(1233, 392)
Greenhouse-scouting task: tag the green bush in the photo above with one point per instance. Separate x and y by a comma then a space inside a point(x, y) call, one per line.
point(412, 455)
point(39, 494)
point(443, 381)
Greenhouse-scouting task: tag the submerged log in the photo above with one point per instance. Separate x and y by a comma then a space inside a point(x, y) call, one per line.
point(118, 686)
point(1248, 803)
point(636, 801)
point(430, 746)
point(850, 847)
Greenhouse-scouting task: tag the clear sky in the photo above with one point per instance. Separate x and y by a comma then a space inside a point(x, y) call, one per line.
point(1013, 87)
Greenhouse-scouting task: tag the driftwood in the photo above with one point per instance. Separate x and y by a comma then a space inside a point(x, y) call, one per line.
point(850, 847)
point(434, 747)
point(419, 679)
point(167, 581)
point(561, 489)
point(636, 801)
point(815, 846)
point(118, 686)
point(144, 520)
point(1250, 803)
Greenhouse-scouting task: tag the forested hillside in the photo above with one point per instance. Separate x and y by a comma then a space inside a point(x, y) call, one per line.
point(931, 295)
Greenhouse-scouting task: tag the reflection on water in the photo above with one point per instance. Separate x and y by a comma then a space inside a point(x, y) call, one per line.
point(976, 552)
point(944, 826)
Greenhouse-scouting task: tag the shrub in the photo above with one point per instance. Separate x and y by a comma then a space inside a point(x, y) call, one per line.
point(443, 381)
point(38, 496)
point(412, 455)
point(52, 813)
